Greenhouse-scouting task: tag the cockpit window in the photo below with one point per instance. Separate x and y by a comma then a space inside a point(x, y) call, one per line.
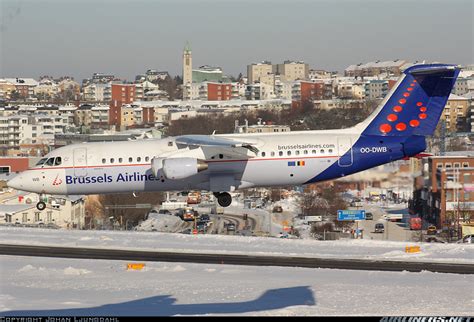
point(42, 161)
point(57, 161)
point(50, 162)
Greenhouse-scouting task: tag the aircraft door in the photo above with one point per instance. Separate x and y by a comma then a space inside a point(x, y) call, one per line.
point(80, 162)
point(344, 150)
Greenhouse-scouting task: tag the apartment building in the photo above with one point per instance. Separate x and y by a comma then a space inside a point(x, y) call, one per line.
point(92, 116)
point(256, 70)
point(25, 87)
point(260, 91)
point(260, 127)
point(456, 114)
point(97, 92)
point(102, 78)
point(219, 91)
point(375, 89)
point(121, 94)
point(46, 89)
point(378, 67)
point(318, 74)
point(19, 134)
point(291, 71)
point(283, 90)
point(444, 193)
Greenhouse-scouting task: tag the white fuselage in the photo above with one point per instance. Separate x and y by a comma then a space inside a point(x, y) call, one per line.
point(291, 158)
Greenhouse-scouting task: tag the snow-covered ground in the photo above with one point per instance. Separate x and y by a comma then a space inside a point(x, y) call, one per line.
point(349, 248)
point(161, 222)
point(56, 286)
point(46, 286)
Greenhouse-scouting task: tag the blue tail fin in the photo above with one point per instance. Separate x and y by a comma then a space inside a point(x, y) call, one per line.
point(415, 104)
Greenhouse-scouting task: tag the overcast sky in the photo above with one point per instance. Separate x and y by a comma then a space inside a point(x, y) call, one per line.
point(125, 38)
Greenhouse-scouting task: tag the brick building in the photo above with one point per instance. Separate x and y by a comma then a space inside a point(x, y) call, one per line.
point(121, 94)
point(444, 193)
point(219, 91)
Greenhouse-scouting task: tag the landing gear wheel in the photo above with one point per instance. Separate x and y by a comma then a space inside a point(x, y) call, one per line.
point(40, 206)
point(224, 199)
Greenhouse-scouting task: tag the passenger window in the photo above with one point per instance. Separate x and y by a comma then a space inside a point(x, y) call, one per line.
point(263, 154)
point(57, 161)
point(305, 151)
point(112, 160)
point(280, 153)
point(139, 159)
point(147, 159)
point(272, 154)
point(322, 151)
point(288, 153)
point(313, 152)
point(50, 162)
point(120, 160)
point(297, 152)
point(330, 150)
point(130, 159)
point(104, 161)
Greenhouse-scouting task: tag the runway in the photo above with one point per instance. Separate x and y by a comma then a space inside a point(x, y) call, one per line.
point(229, 259)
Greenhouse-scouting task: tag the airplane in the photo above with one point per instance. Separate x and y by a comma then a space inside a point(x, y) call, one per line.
point(222, 163)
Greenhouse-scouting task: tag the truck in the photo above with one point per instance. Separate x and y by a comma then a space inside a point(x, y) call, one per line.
point(393, 217)
point(173, 204)
point(188, 214)
point(415, 223)
point(310, 219)
point(194, 197)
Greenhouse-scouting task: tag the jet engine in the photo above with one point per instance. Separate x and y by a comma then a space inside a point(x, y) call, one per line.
point(177, 168)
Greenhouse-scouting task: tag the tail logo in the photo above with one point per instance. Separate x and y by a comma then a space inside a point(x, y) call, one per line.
point(397, 109)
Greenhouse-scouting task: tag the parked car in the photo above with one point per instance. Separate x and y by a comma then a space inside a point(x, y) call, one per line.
point(230, 227)
point(164, 212)
point(431, 230)
point(187, 231)
point(434, 239)
point(468, 239)
point(205, 218)
point(277, 209)
point(379, 228)
point(369, 216)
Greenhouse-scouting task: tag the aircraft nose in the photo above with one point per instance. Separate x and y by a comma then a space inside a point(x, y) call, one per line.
point(16, 182)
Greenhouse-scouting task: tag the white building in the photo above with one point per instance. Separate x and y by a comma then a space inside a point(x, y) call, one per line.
point(292, 70)
point(260, 91)
point(97, 92)
point(61, 211)
point(257, 70)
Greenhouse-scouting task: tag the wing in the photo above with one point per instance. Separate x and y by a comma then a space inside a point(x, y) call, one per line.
point(214, 141)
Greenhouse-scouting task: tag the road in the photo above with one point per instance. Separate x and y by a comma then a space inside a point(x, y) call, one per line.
point(252, 260)
point(393, 230)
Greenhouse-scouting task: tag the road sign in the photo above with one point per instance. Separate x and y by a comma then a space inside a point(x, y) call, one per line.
point(350, 215)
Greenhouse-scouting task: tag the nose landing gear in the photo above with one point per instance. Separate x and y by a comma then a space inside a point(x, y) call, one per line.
point(224, 199)
point(41, 205)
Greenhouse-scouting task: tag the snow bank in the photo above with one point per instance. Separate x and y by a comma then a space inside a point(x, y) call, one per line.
point(156, 241)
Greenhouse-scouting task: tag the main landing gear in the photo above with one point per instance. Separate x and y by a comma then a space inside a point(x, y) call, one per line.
point(224, 199)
